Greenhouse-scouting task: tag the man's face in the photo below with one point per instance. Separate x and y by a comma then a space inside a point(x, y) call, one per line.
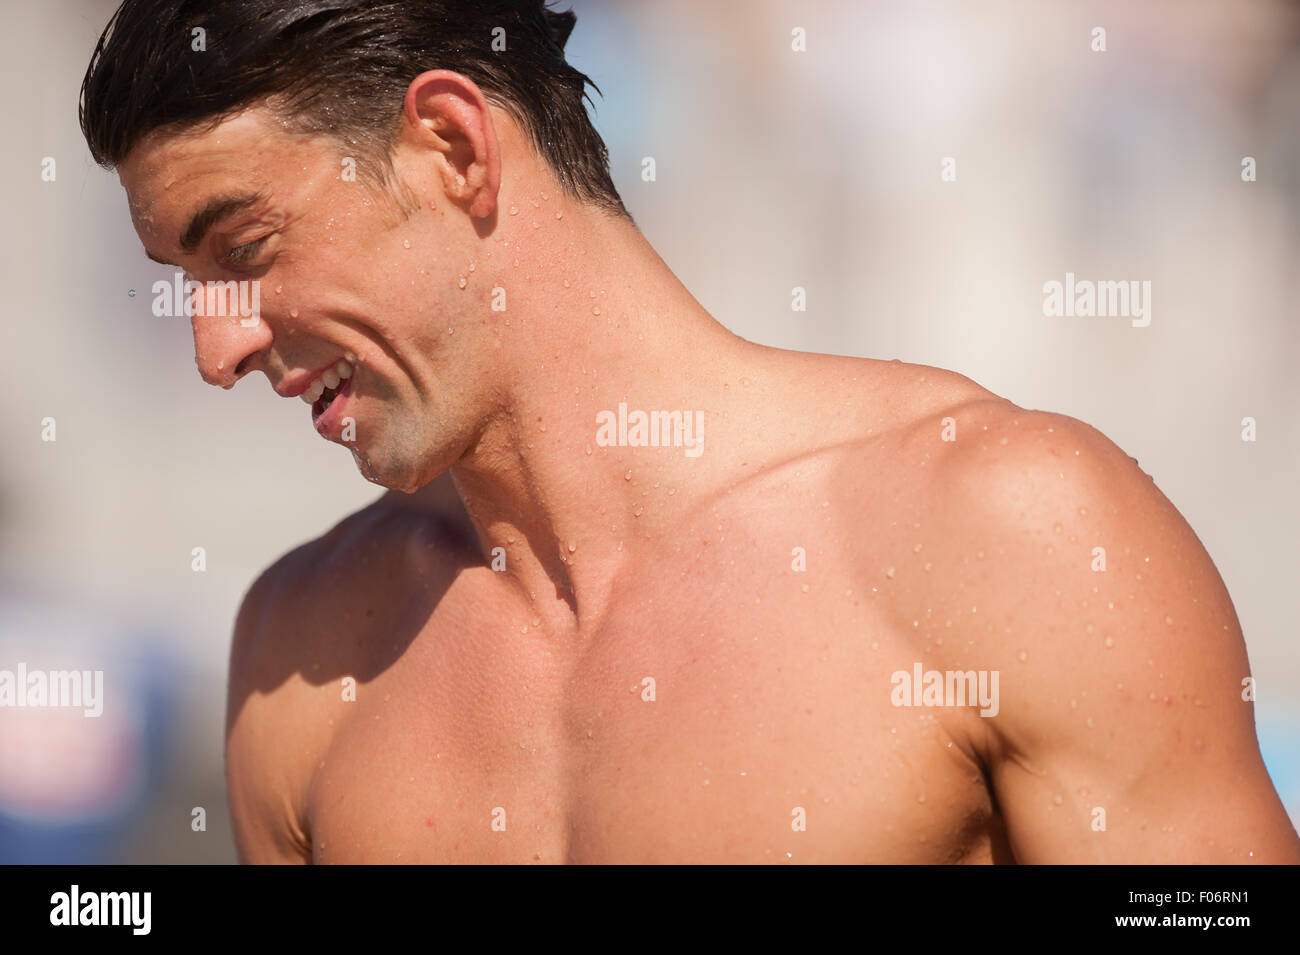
point(346, 273)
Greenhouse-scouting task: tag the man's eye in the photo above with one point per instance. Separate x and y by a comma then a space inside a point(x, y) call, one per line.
point(243, 254)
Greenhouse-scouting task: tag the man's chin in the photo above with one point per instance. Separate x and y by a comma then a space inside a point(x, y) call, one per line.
point(395, 476)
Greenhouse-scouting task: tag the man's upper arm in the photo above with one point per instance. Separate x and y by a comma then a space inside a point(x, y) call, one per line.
point(259, 780)
point(1122, 734)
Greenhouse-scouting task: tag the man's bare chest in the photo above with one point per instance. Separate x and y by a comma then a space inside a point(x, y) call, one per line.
point(746, 717)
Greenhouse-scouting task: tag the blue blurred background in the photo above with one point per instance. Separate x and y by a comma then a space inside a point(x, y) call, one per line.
point(775, 169)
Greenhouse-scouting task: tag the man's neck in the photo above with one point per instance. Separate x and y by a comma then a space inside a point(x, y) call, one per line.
point(608, 331)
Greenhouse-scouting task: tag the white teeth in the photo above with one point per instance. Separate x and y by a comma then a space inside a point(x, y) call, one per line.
point(330, 378)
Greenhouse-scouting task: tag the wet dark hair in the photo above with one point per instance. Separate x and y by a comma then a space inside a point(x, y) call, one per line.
point(342, 68)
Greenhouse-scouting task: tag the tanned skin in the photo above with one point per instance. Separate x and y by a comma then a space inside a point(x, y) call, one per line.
point(521, 695)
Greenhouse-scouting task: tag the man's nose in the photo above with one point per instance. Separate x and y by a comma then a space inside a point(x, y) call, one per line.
point(226, 347)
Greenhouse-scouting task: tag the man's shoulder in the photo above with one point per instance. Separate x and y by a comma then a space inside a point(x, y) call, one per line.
point(305, 603)
point(1041, 516)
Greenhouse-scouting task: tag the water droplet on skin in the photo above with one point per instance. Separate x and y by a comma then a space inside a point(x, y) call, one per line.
point(638, 511)
point(279, 289)
point(628, 475)
point(514, 210)
point(472, 266)
point(915, 550)
point(572, 546)
point(221, 366)
point(589, 449)
point(921, 798)
point(293, 313)
point(566, 283)
point(406, 243)
point(595, 310)
point(1083, 512)
point(1109, 642)
point(462, 281)
point(1022, 656)
point(928, 565)
point(1057, 800)
point(804, 588)
point(889, 572)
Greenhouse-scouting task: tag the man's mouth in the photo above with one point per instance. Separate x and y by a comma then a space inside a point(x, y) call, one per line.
point(332, 384)
point(321, 404)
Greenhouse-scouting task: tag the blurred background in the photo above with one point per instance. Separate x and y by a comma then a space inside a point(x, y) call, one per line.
point(776, 169)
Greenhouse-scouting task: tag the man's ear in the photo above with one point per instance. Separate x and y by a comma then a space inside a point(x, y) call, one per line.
point(447, 111)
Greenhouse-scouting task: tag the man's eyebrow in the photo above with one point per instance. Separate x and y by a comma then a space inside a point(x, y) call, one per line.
point(216, 209)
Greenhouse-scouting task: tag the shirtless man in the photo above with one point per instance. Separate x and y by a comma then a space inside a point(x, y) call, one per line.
point(692, 650)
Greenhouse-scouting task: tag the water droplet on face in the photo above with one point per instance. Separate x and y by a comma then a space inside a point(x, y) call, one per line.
point(293, 313)
point(471, 266)
point(566, 283)
point(514, 210)
point(572, 546)
point(915, 550)
point(628, 475)
point(462, 282)
point(1109, 642)
point(406, 243)
point(595, 310)
point(1058, 799)
point(279, 289)
point(1022, 656)
point(889, 572)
